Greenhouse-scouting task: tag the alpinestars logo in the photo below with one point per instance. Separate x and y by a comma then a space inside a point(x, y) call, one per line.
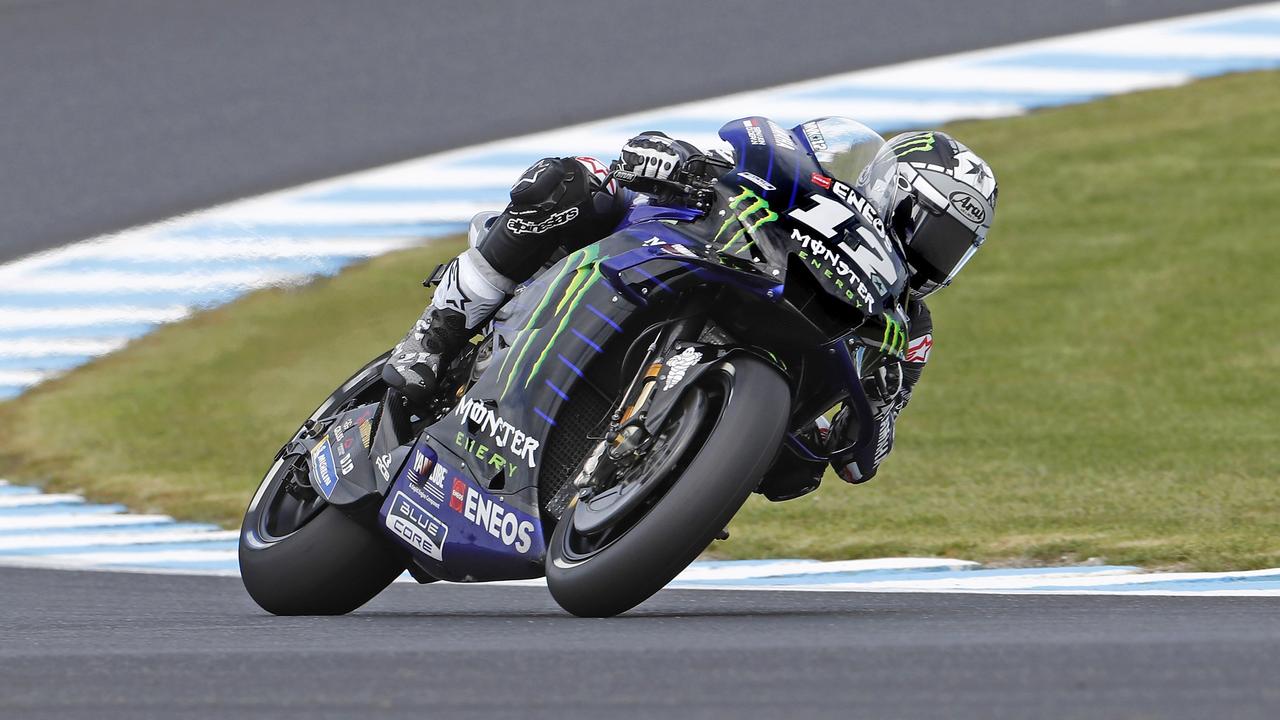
point(918, 350)
point(532, 176)
point(520, 226)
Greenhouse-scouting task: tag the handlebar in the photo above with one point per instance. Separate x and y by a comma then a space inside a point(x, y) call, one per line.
point(692, 186)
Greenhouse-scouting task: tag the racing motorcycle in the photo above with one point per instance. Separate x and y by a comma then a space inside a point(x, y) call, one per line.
point(616, 413)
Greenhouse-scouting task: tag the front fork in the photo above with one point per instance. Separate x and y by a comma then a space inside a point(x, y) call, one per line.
point(629, 434)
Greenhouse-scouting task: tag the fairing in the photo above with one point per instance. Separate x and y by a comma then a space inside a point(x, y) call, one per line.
point(787, 206)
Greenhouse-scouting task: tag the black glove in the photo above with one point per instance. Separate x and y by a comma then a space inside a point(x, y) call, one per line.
point(884, 384)
point(654, 155)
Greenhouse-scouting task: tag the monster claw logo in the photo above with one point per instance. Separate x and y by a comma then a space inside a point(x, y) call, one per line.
point(895, 337)
point(758, 207)
point(579, 273)
point(919, 142)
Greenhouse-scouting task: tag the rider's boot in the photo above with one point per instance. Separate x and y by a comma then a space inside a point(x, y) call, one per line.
point(467, 297)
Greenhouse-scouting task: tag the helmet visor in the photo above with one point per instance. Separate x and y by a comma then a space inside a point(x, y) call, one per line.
point(940, 246)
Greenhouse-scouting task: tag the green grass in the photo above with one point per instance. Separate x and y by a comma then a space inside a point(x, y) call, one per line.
point(1104, 380)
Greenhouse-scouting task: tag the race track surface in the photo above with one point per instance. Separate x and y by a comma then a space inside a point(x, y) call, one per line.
point(119, 113)
point(109, 645)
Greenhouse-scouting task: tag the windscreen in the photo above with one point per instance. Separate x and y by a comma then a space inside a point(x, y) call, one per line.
point(842, 146)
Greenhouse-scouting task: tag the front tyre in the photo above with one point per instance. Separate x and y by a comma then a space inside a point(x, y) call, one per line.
point(298, 554)
point(744, 434)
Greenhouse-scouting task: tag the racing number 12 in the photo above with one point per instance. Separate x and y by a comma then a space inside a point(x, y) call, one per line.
point(825, 216)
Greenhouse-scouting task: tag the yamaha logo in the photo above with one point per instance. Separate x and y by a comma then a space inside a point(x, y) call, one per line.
point(968, 206)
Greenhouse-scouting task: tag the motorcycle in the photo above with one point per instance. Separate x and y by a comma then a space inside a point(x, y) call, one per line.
point(615, 414)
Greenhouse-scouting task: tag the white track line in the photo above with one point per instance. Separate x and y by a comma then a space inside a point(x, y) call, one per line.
point(78, 520)
point(17, 501)
point(85, 539)
point(37, 347)
point(29, 318)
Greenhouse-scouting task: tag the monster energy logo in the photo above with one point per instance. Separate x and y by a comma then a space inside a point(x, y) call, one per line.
point(751, 217)
point(919, 142)
point(895, 337)
point(582, 272)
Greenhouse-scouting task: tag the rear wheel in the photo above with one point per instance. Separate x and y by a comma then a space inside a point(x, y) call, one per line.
point(298, 554)
point(738, 423)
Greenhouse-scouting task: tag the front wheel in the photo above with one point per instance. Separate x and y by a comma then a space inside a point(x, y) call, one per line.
point(609, 573)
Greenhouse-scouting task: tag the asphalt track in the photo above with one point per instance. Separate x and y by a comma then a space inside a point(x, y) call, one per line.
point(118, 113)
point(124, 112)
point(109, 645)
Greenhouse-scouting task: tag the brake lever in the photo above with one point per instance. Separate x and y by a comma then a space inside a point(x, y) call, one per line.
point(649, 185)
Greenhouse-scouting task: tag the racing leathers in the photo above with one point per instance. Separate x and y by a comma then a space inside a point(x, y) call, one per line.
point(563, 204)
point(888, 390)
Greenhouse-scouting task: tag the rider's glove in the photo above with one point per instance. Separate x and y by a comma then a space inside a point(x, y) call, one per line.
point(884, 384)
point(654, 155)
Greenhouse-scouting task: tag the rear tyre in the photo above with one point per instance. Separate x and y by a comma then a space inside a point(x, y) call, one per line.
point(740, 444)
point(301, 556)
point(331, 566)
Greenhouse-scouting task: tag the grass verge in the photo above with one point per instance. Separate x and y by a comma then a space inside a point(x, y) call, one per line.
point(1103, 383)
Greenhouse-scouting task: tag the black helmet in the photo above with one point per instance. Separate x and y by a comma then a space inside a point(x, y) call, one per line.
point(938, 199)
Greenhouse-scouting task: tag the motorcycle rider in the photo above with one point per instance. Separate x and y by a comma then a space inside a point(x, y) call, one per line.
point(936, 196)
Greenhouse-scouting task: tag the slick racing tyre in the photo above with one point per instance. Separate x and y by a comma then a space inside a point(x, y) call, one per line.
point(738, 414)
point(302, 556)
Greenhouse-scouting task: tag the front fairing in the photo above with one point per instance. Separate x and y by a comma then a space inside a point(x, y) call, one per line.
point(777, 204)
point(471, 510)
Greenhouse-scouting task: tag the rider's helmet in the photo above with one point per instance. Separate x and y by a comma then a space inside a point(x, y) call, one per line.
point(938, 199)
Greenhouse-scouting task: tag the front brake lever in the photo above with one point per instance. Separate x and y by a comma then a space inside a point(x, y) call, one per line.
point(648, 185)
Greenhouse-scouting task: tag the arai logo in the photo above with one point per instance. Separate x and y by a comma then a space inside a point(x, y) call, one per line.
point(968, 206)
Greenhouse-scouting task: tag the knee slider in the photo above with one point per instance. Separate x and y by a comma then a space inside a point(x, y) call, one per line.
point(550, 184)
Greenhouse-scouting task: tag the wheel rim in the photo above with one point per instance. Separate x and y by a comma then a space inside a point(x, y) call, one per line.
point(288, 500)
point(291, 502)
point(576, 547)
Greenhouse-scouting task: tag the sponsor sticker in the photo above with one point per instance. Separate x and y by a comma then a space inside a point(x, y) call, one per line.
point(968, 206)
point(412, 523)
point(678, 365)
point(781, 136)
point(504, 434)
point(821, 181)
point(458, 496)
point(503, 524)
point(759, 181)
point(326, 470)
point(755, 133)
point(426, 478)
point(813, 134)
point(918, 349)
point(520, 226)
